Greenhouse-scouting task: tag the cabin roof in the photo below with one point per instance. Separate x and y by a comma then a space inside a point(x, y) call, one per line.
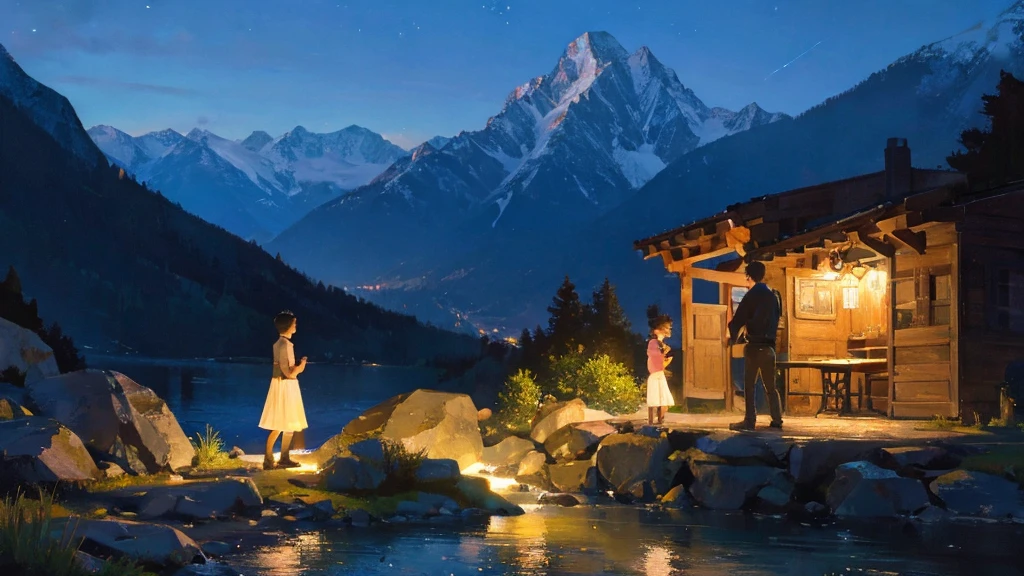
point(777, 218)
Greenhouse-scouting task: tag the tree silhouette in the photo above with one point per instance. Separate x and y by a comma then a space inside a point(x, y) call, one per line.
point(995, 155)
point(608, 329)
point(567, 321)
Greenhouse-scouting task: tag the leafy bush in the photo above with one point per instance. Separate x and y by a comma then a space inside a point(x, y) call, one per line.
point(600, 382)
point(209, 448)
point(517, 402)
point(400, 467)
point(31, 546)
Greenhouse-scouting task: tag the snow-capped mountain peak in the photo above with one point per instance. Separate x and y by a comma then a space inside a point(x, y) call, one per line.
point(257, 140)
point(119, 146)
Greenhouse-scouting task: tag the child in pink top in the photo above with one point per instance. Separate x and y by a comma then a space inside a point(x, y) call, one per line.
point(659, 397)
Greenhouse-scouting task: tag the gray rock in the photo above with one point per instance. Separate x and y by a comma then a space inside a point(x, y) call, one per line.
point(207, 569)
point(576, 440)
point(442, 424)
point(725, 487)
point(347, 474)
point(862, 489)
point(815, 508)
point(437, 500)
point(970, 493)
point(509, 451)
point(558, 499)
point(553, 416)
point(431, 470)
point(359, 517)
point(370, 450)
point(236, 452)
point(100, 407)
point(677, 497)
point(37, 450)
point(477, 493)
point(24, 350)
point(932, 515)
point(152, 543)
point(927, 457)
point(817, 460)
point(572, 476)
point(731, 446)
point(626, 459)
point(11, 409)
point(414, 508)
point(533, 471)
point(201, 500)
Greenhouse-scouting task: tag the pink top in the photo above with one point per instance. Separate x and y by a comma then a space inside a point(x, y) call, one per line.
point(655, 359)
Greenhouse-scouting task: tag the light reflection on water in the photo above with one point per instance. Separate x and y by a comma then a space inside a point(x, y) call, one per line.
point(619, 540)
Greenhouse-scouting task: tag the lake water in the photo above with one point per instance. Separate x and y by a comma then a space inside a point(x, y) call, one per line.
point(622, 540)
point(230, 396)
point(547, 541)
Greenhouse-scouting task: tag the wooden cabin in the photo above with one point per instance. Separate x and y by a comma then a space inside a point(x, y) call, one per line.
point(902, 291)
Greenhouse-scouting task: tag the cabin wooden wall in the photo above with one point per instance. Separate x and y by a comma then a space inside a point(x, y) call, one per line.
point(809, 339)
point(992, 319)
point(924, 349)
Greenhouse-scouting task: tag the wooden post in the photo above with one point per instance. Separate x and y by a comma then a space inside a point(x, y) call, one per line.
point(954, 325)
point(686, 329)
point(890, 353)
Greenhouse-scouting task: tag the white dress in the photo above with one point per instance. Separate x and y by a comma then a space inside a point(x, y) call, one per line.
point(283, 410)
point(658, 393)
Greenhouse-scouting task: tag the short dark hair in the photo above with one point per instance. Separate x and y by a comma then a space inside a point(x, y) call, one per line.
point(756, 271)
point(284, 321)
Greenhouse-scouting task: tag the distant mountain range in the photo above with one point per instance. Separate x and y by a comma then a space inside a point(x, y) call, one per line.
point(481, 232)
point(255, 187)
point(565, 148)
point(123, 269)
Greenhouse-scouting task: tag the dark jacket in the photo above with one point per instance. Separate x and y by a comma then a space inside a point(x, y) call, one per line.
point(759, 311)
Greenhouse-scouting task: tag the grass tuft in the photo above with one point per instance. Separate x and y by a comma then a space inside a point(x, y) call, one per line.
point(400, 467)
point(209, 449)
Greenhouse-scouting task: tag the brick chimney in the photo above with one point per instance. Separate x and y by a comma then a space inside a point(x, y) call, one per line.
point(897, 169)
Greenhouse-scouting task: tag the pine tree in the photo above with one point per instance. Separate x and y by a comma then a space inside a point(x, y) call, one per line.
point(12, 283)
point(608, 329)
point(996, 155)
point(278, 257)
point(566, 324)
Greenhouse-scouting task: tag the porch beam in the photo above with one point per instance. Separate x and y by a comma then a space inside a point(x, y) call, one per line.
point(731, 278)
point(878, 246)
point(917, 241)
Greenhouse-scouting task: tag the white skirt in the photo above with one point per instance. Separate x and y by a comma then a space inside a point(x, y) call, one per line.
point(283, 410)
point(658, 393)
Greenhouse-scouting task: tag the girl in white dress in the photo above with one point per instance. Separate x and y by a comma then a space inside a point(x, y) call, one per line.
point(283, 412)
point(659, 397)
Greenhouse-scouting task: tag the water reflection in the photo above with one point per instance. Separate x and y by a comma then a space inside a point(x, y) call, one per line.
point(624, 541)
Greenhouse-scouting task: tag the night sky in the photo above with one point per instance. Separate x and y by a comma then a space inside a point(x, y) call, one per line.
point(414, 69)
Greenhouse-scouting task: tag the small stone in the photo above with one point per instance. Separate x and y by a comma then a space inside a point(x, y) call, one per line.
point(175, 479)
point(236, 452)
point(359, 517)
point(268, 513)
point(565, 500)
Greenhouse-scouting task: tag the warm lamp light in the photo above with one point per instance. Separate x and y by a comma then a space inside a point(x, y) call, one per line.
point(851, 292)
point(858, 271)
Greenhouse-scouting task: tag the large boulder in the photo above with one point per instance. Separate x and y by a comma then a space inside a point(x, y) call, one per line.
point(573, 476)
point(970, 493)
point(176, 451)
point(349, 474)
point(533, 471)
point(629, 461)
point(97, 405)
point(509, 451)
point(862, 489)
point(200, 500)
point(24, 350)
point(37, 450)
point(816, 461)
point(477, 493)
point(726, 487)
point(146, 543)
point(576, 440)
point(442, 424)
point(554, 415)
point(444, 470)
point(731, 446)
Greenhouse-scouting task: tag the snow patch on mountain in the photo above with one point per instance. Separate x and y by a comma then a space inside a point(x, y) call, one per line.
point(638, 166)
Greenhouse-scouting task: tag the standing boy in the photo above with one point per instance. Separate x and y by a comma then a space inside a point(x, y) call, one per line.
point(759, 313)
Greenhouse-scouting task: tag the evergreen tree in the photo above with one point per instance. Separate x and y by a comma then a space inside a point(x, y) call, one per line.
point(12, 283)
point(608, 329)
point(996, 155)
point(566, 324)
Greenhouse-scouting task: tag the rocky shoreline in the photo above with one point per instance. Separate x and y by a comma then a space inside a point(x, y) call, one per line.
point(135, 489)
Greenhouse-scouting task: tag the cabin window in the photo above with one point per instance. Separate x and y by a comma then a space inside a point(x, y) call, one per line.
point(1008, 301)
point(939, 299)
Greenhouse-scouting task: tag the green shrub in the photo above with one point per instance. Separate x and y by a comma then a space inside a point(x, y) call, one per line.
point(600, 382)
point(209, 449)
point(30, 545)
point(518, 401)
point(400, 467)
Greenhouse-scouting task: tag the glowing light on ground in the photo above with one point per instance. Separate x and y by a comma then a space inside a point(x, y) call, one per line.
point(496, 483)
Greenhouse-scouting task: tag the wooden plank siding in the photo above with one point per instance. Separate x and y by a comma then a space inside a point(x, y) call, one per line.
point(925, 372)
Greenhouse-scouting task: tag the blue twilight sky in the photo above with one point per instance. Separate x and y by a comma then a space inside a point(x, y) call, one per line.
point(412, 69)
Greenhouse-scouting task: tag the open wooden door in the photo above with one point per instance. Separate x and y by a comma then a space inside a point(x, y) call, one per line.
point(707, 357)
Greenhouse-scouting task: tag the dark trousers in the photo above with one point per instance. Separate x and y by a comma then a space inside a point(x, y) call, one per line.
point(759, 360)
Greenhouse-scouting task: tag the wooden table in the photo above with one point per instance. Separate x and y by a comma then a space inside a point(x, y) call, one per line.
point(836, 374)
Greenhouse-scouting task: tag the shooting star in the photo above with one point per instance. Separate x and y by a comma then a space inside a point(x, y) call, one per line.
point(786, 65)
